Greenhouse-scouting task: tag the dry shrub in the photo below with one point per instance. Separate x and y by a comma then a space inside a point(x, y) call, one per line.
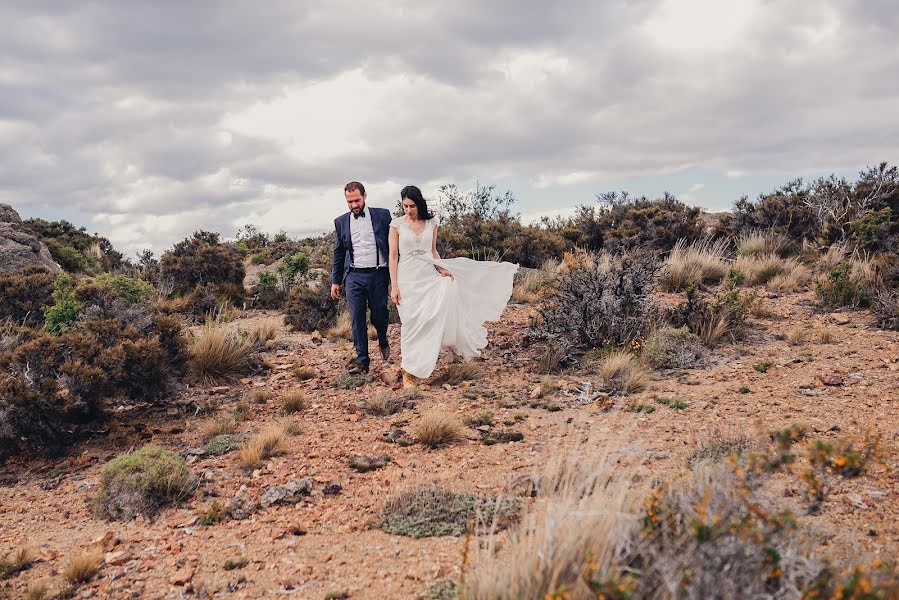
point(310, 307)
point(795, 277)
point(571, 536)
point(262, 331)
point(797, 335)
point(758, 243)
point(457, 373)
point(886, 309)
point(262, 446)
point(600, 300)
point(673, 348)
point(258, 397)
point(435, 429)
point(202, 259)
point(141, 482)
point(219, 355)
point(693, 264)
point(222, 426)
point(83, 566)
point(621, 372)
point(293, 402)
point(436, 511)
point(718, 444)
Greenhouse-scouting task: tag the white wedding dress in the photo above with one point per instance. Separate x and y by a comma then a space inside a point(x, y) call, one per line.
point(439, 312)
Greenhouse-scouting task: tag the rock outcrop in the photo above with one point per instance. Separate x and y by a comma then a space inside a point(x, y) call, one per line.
point(18, 249)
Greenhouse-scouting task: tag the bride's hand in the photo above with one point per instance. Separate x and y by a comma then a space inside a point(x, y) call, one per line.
point(395, 296)
point(444, 272)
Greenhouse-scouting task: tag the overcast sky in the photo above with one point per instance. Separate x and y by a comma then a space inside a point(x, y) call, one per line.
point(144, 121)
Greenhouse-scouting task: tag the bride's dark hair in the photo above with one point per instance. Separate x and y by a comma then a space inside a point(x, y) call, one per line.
point(414, 194)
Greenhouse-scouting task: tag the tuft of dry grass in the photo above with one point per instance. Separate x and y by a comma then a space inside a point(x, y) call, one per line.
point(529, 288)
point(383, 404)
point(695, 263)
point(835, 254)
point(758, 269)
point(795, 277)
point(222, 426)
point(621, 372)
point(293, 402)
point(16, 562)
point(258, 397)
point(343, 329)
point(456, 373)
point(220, 355)
point(435, 429)
point(549, 359)
point(262, 446)
point(262, 331)
point(83, 566)
point(583, 513)
point(797, 335)
point(865, 275)
point(304, 373)
point(38, 590)
point(291, 426)
point(758, 243)
point(826, 336)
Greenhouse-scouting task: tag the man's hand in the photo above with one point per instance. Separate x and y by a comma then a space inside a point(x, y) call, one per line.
point(335, 291)
point(395, 296)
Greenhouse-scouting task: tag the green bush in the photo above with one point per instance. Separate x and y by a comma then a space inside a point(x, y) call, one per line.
point(622, 223)
point(56, 385)
point(60, 316)
point(837, 288)
point(291, 266)
point(202, 259)
point(141, 482)
point(73, 248)
point(129, 290)
point(25, 295)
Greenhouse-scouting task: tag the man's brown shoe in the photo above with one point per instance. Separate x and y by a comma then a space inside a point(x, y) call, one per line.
point(385, 352)
point(357, 370)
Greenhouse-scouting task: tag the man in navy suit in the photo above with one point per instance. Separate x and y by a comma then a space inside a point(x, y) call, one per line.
point(360, 263)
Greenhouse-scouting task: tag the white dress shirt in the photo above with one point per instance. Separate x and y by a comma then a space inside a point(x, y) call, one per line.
point(365, 249)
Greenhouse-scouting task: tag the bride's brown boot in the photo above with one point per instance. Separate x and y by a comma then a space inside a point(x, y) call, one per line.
point(409, 380)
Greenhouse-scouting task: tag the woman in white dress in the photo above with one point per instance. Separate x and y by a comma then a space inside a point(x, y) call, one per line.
point(442, 303)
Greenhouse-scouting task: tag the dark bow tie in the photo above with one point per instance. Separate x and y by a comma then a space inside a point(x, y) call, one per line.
point(361, 214)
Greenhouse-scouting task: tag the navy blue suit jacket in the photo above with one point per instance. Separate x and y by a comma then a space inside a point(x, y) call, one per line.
point(343, 246)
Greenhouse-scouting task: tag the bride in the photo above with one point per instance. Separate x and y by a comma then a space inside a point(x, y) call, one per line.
point(442, 303)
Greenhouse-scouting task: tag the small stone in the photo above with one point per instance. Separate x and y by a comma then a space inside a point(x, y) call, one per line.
point(832, 380)
point(332, 489)
point(840, 318)
point(182, 576)
point(290, 493)
point(537, 392)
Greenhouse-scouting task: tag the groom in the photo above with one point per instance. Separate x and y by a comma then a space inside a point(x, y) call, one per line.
point(360, 263)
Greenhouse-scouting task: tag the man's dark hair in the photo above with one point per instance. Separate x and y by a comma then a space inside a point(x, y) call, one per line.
point(354, 185)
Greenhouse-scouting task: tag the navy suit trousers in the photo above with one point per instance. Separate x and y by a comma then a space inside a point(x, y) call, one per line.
point(367, 290)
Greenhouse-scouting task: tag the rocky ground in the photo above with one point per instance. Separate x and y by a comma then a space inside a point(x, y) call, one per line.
point(325, 542)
